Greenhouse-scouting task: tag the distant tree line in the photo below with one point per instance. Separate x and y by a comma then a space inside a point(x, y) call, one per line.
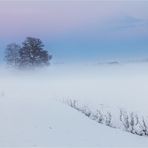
point(30, 53)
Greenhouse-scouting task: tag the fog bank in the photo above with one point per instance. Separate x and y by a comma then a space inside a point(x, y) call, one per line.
point(122, 85)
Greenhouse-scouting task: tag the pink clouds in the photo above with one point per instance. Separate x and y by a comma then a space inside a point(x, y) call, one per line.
point(47, 15)
point(53, 17)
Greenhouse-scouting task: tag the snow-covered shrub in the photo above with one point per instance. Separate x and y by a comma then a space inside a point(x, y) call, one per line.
point(85, 110)
point(134, 123)
point(143, 127)
point(130, 121)
point(108, 119)
point(98, 115)
point(124, 118)
point(72, 103)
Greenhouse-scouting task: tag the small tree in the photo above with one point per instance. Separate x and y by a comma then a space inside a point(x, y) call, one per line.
point(12, 54)
point(32, 53)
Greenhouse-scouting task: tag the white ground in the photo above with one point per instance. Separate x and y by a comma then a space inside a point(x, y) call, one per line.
point(31, 115)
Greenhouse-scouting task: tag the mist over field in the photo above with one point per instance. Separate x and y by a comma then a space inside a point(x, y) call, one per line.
point(123, 85)
point(32, 112)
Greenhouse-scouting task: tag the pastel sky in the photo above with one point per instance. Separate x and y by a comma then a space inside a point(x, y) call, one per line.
point(78, 30)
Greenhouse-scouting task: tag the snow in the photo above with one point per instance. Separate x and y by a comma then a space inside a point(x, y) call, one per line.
point(32, 114)
point(51, 123)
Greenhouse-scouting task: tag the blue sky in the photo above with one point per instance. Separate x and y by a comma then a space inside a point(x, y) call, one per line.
point(79, 30)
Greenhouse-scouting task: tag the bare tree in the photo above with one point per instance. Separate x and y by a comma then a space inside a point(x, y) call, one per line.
point(12, 54)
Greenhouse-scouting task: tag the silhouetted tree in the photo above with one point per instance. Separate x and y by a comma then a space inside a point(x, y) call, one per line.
point(12, 54)
point(30, 54)
point(33, 54)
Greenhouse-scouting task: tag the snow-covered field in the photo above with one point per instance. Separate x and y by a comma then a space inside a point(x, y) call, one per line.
point(31, 112)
